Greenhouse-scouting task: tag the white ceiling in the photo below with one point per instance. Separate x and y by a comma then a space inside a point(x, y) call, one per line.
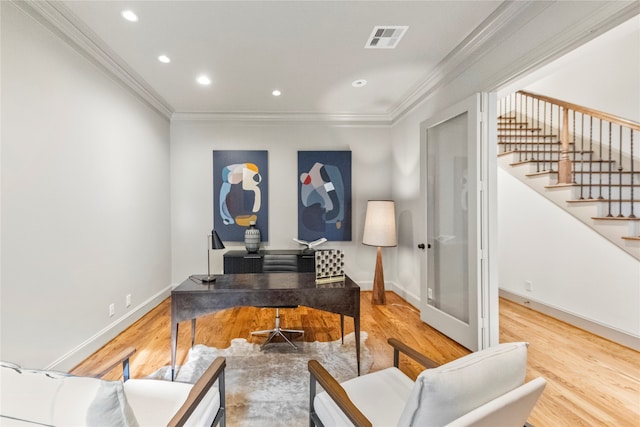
point(310, 50)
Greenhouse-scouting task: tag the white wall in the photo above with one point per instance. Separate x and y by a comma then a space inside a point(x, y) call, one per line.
point(192, 143)
point(571, 267)
point(612, 61)
point(85, 200)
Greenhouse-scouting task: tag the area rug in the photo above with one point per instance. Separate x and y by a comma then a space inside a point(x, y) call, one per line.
point(270, 387)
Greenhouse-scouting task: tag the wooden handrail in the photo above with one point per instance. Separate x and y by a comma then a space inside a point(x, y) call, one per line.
point(589, 111)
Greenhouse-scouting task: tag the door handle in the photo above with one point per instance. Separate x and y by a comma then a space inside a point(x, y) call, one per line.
point(421, 246)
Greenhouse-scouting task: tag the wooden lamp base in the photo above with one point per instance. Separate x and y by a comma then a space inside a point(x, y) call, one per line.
point(378, 296)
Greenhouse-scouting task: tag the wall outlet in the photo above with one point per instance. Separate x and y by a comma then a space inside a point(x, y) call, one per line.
point(128, 300)
point(430, 293)
point(112, 309)
point(528, 286)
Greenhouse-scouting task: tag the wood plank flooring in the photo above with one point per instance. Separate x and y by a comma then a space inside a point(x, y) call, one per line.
point(591, 381)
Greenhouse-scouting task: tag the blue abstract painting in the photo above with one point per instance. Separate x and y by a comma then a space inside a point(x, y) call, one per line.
point(240, 193)
point(324, 195)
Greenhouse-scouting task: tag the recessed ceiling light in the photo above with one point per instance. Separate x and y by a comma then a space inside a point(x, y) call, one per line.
point(164, 59)
point(359, 83)
point(276, 93)
point(203, 80)
point(129, 16)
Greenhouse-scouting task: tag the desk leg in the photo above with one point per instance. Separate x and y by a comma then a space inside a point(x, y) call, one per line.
point(174, 345)
point(193, 331)
point(356, 327)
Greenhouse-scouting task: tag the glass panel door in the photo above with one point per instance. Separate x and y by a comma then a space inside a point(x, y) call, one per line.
point(456, 296)
point(448, 213)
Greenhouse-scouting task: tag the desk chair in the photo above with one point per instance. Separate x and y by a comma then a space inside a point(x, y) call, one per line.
point(273, 263)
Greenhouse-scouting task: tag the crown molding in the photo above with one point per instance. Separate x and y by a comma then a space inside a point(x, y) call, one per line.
point(478, 42)
point(342, 119)
point(607, 17)
point(57, 18)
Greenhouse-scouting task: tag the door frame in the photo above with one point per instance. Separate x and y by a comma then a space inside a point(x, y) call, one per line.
point(482, 112)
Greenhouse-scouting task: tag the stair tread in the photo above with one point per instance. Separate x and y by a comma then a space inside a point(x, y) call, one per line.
point(511, 122)
point(583, 172)
point(551, 151)
point(603, 200)
point(615, 218)
point(533, 142)
point(519, 129)
point(573, 161)
point(575, 184)
point(528, 136)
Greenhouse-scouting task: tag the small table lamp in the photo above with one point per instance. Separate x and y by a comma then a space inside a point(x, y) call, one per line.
point(380, 231)
point(216, 243)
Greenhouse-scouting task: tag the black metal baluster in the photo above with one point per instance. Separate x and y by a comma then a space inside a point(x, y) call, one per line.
point(506, 131)
point(544, 139)
point(538, 125)
point(529, 154)
point(544, 132)
point(620, 169)
point(590, 156)
point(581, 155)
point(517, 120)
point(601, 163)
point(631, 215)
point(500, 116)
point(609, 161)
point(543, 126)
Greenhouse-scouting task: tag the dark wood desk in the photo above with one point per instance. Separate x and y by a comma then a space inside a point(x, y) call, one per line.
point(191, 299)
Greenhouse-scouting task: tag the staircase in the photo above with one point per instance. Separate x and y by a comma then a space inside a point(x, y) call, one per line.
point(583, 160)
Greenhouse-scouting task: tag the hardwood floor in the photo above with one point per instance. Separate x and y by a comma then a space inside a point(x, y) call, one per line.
point(591, 381)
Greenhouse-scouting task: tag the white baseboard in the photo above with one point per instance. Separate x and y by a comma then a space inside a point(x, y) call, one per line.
point(612, 334)
point(393, 287)
point(411, 298)
point(69, 360)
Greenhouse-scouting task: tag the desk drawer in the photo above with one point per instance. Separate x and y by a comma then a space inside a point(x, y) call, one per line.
point(238, 265)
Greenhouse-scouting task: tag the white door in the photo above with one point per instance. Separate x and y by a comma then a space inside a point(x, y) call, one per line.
point(458, 297)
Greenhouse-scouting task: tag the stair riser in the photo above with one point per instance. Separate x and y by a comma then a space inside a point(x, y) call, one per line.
point(587, 212)
point(544, 166)
point(617, 209)
point(613, 195)
point(605, 178)
point(542, 156)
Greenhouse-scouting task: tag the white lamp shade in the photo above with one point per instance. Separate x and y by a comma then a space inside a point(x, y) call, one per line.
point(380, 224)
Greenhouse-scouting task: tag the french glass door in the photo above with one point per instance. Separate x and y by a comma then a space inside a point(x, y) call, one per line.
point(456, 291)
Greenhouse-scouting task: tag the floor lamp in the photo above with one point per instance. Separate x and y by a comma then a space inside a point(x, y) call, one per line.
point(380, 231)
point(216, 243)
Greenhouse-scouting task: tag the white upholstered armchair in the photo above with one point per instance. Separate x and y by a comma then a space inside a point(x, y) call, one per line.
point(35, 397)
point(485, 388)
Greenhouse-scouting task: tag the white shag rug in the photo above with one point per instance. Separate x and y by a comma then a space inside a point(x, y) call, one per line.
point(270, 387)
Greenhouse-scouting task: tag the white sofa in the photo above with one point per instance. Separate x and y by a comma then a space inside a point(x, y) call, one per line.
point(484, 388)
point(31, 397)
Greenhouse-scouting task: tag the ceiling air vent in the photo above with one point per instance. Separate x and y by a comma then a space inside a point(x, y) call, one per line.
point(385, 37)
